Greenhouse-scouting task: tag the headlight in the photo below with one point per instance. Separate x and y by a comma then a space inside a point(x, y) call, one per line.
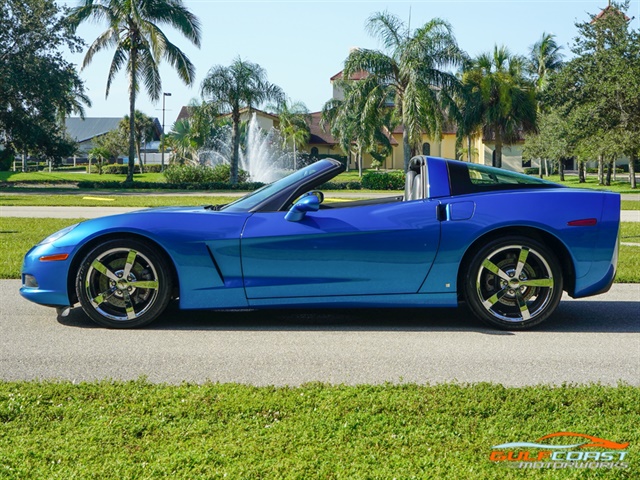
point(59, 234)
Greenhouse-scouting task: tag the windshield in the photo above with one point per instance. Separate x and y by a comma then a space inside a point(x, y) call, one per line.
point(253, 199)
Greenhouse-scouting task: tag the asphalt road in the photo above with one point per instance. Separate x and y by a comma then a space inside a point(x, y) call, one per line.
point(588, 340)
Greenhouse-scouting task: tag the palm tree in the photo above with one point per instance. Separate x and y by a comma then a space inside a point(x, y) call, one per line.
point(507, 103)
point(294, 120)
point(183, 143)
point(140, 45)
point(143, 131)
point(412, 74)
point(545, 58)
point(230, 89)
point(359, 120)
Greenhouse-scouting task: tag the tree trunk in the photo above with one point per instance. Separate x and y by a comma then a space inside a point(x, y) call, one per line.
point(601, 170)
point(360, 163)
point(546, 167)
point(132, 110)
point(498, 151)
point(540, 173)
point(139, 157)
point(632, 170)
point(561, 169)
point(581, 175)
point(406, 148)
point(235, 143)
point(469, 148)
point(608, 179)
point(348, 160)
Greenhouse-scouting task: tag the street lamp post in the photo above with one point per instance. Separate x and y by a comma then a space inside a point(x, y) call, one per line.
point(164, 96)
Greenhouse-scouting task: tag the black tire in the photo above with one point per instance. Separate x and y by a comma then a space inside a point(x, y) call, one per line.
point(113, 301)
point(494, 294)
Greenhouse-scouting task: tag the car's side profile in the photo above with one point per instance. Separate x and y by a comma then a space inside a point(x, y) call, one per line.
point(507, 244)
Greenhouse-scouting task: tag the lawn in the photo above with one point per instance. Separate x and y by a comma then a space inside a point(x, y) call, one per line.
point(71, 177)
point(18, 235)
point(87, 199)
point(140, 430)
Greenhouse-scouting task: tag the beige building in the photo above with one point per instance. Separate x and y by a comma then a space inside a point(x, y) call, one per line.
point(322, 143)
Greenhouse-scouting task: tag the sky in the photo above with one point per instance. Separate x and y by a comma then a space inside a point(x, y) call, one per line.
point(302, 43)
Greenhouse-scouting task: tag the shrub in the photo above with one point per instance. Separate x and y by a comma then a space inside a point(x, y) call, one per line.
point(532, 171)
point(202, 174)
point(383, 180)
point(340, 186)
point(246, 186)
point(123, 169)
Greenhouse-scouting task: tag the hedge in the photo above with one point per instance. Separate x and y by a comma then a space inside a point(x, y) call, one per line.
point(124, 169)
point(383, 180)
point(248, 186)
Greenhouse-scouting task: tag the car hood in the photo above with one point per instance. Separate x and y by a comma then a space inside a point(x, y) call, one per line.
point(156, 223)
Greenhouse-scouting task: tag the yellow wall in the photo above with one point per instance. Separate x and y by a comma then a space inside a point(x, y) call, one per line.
point(446, 148)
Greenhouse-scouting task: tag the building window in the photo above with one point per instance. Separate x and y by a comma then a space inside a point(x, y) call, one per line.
point(426, 149)
point(314, 151)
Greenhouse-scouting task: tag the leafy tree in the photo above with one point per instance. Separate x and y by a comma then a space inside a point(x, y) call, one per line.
point(551, 142)
point(411, 74)
point(230, 89)
point(116, 142)
point(506, 99)
point(38, 88)
point(294, 124)
point(600, 89)
point(139, 45)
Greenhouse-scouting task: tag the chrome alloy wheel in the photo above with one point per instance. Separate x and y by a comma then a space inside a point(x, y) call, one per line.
point(121, 284)
point(515, 283)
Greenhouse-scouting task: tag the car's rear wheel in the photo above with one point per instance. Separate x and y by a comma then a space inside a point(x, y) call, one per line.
point(513, 283)
point(123, 284)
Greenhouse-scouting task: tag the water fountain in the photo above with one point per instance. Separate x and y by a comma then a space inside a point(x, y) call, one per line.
point(263, 157)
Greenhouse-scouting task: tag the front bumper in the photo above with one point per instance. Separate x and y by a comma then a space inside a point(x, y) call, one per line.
point(50, 277)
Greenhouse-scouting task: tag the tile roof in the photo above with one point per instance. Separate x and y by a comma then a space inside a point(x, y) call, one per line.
point(356, 76)
point(318, 135)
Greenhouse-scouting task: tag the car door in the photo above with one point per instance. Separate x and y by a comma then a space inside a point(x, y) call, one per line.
point(386, 248)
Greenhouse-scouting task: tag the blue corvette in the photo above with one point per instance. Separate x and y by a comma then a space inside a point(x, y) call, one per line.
point(507, 244)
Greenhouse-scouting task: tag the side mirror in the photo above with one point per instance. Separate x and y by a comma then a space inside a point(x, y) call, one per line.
point(308, 203)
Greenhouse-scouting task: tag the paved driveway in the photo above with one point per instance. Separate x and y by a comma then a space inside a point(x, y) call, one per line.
point(589, 340)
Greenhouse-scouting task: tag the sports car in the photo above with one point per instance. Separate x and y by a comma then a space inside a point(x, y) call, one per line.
point(505, 243)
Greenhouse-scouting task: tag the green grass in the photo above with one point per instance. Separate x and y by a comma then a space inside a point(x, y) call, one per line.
point(629, 262)
point(592, 183)
point(630, 205)
point(86, 199)
point(18, 235)
point(140, 430)
point(63, 176)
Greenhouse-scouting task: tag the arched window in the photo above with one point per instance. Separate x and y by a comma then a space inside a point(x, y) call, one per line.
point(426, 149)
point(314, 151)
point(493, 159)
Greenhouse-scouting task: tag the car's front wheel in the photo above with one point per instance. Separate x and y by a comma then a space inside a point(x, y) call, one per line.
point(123, 284)
point(513, 283)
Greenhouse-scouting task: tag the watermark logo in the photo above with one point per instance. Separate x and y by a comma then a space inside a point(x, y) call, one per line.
point(572, 453)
